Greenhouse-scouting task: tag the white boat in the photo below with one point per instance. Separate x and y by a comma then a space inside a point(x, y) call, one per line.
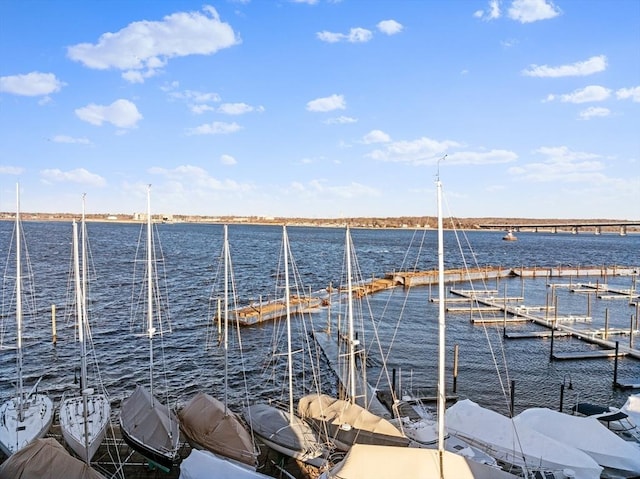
point(147, 425)
point(83, 418)
point(632, 408)
point(620, 421)
point(27, 415)
point(200, 464)
point(209, 423)
point(516, 444)
point(46, 458)
point(343, 421)
point(282, 430)
point(509, 236)
point(587, 434)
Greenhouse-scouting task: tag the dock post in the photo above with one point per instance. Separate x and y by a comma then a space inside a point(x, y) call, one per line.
point(561, 396)
point(553, 327)
point(615, 367)
point(606, 323)
point(589, 305)
point(631, 333)
point(504, 320)
point(513, 393)
point(455, 368)
point(54, 334)
point(393, 383)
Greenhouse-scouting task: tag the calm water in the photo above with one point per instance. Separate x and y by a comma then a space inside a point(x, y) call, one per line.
point(406, 322)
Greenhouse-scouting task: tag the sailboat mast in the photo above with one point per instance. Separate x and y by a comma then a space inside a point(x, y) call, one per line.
point(83, 328)
point(285, 242)
point(19, 307)
point(226, 314)
point(441, 327)
point(352, 355)
point(150, 328)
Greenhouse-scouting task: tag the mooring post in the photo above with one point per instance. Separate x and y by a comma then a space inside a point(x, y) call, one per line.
point(393, 383)
point(561, 396)
point(54, 334)
point(504, 320)
point(513, 393)
point(455, 368)
point(615, 367)
point(631, 333)
point(606, 323)
point(588, 305)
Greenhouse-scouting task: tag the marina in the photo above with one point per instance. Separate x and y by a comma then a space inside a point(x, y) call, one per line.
point(524, 291)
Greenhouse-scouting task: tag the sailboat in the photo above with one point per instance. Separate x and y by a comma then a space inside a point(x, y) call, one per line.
point(366, 461)
point(28, 415)
point(147, 425)
point(209, 423)
point(281, 430)
point(83, 418)
point(344, 421)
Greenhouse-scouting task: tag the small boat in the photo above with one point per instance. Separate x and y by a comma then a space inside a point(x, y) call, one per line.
point(46, 458)
point(200, 464)
point(83, 418)
point(209, 423)
point(148, 426)
point(364, 461)
point(616, 420)
point(588, 435)
point(517, 445)
point(283, 430)
point(509, 236)
point(27, 415)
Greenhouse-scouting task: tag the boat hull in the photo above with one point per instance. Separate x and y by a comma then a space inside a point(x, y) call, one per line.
point(37, 419)
point(72, 424)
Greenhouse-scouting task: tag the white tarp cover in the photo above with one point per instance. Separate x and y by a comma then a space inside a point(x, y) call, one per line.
point(149, 422)
point(584, 433)
point(206, 423)
point(205, 465)
point(632, 408)
point(516, 443)
point(339, 412)
point(45, 459)
point(365, 461)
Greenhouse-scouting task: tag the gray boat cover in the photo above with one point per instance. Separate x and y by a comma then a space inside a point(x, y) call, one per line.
point(150, 422)
point(364, 461)
point(45, 459)
point(206, 424)
point(343, 414)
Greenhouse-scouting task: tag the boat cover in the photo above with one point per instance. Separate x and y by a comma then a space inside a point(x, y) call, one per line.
point(273, 424)
point(207, 423)
point(586, 434)
point(45, 459)
point(346, 415)
point(603, 412)
point(632, 408)
point(364, 461)
point(516, 443)
point(200, 464)
point(150, 422)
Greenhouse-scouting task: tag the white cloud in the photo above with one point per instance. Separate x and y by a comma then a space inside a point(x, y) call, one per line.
point(215, 128)
point(481, 157)
point(633, 93)
point(198, 180)
point(11, 170)
point(69, 139)
point(390, 27)
point(319, 188)
point(587, 94)
point(238, 108)
point(31, 84)
point(527, 11)
point(561, 164)
point(422, 150)
point(329, 103)
point(121, 113)
point(79, 175)
point(594, 111)
point(340, 120)
point(355, 35)
point(492, 12)
point(227, 160)
point(588, 67)
point(376, 136)
point(200, 108)
point(142, 48)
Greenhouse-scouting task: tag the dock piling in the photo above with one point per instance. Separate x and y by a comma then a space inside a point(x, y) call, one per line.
point(455, 368)
point(54, 334)
point(615, 367)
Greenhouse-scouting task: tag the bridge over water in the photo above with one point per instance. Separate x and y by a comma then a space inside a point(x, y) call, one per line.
point(571, 226)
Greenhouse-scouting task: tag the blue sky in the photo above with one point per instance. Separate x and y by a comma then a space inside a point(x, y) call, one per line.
point(322, 108)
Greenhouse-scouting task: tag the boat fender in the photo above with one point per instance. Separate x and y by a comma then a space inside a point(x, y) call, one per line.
point(569, 473)
point(345, 427)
